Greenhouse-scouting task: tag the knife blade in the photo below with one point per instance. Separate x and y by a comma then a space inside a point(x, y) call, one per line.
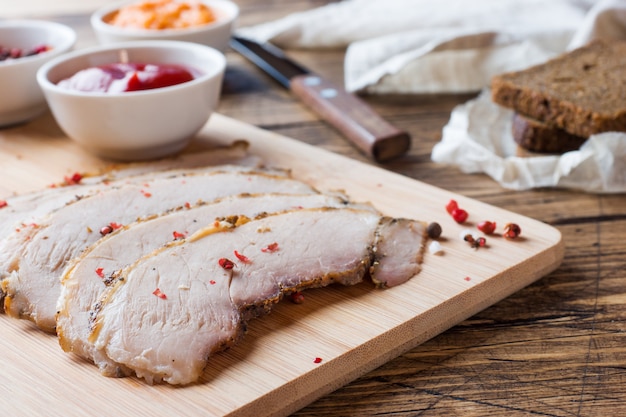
point(350, 115)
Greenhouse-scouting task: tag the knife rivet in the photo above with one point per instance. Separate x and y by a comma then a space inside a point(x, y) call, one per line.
point(328, 93)
point(312, 81)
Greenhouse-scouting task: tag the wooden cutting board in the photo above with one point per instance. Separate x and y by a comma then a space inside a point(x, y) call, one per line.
point(273, 371)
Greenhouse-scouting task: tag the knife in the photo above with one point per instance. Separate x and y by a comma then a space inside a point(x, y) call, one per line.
point(350, 115)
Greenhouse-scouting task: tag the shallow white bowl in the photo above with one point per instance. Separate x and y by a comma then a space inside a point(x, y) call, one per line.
point(21, 98)
point(215, 34)
point(140, 124)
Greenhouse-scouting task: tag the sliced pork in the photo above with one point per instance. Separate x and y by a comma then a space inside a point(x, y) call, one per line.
point(396, 238)
point(35, 256)
point(84, 279)
point(29, 208)
point(191, 298)
point(26, 209)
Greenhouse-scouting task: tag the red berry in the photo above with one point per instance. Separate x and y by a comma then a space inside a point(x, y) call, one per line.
point(241, 257)
point(297, 297)
point(451, 206)
point(459, 215)
point(226, 263)
point(487, 227)
point(512, 231)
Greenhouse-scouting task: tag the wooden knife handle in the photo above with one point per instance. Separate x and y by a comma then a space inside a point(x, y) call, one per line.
point(352, 117)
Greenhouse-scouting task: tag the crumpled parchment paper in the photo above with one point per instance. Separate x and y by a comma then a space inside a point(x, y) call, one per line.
point(478, 139)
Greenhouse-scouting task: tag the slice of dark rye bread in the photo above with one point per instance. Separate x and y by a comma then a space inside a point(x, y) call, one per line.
point(536, 136)
point(582, 92)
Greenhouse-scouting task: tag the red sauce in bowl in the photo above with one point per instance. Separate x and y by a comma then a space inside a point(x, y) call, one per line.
point(123, 77)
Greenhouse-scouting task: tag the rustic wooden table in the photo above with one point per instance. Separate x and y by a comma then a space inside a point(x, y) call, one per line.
point(555, 348)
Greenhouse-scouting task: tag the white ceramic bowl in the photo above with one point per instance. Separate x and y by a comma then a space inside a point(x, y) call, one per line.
point(216, 34)
point(135, 125)
point(21, 98)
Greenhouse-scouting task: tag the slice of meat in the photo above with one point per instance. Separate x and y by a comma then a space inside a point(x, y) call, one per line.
point(24, 212)
point(396, 239)
point(184, 302)
point(31, 267)
point(84, 279)
point(29, 208)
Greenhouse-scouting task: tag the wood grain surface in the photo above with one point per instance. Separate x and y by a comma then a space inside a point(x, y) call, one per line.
point(354, 330)
point(554, 348)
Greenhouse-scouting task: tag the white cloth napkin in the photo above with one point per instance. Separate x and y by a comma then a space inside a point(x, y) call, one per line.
point(425, 46)
point(453, 46)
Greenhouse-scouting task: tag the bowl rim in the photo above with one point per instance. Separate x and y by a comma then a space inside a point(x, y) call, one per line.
point(98, 23)
point(68, 34)
point(204, 75)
